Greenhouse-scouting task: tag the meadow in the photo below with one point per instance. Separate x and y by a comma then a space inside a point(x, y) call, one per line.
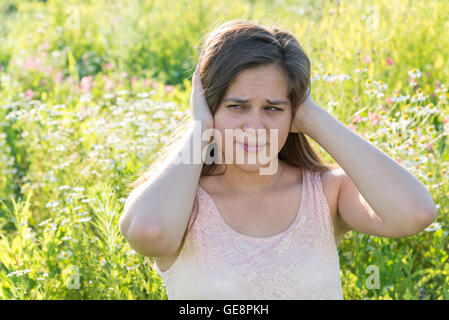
point(91, 90)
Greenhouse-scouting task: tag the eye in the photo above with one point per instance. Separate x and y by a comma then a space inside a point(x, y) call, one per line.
point(237, 105)
point(234, 105)
point(275, 109)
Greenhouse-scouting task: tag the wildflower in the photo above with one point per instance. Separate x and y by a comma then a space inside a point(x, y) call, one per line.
point(29, 93)
point(360, 70)
point(168, 88)
point(122, 93)
point(315, 77)
point(59, 77)
point(85, 219)
point(65, 254)
point(440, 88)
point(389, 61)
point(109, 85)
point(86, 84)
point(374, 118)
point(52, 204)
point(418, 97)
point(369, 83)
point(343, 77)
point(397, 97)
point(367, 59)
point(66, 238)
point(18, 273)
point(382, 87)
point(371, 92)
point(78, 189)
point(143, 95)
point(433, 227)
point(108, 95)
point(357, 119)
point(102, 262)
point(328, 77)
point(414, 73)
point(379, 95)
point(159, 115)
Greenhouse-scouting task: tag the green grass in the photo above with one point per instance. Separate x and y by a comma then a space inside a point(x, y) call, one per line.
point(90, 91)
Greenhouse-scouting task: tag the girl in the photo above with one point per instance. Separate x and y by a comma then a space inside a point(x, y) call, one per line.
point(223, 230)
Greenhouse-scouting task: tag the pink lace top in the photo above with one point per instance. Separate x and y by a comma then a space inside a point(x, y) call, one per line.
point(217, 262)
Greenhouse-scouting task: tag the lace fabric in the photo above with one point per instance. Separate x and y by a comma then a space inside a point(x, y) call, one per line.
point(217, 262)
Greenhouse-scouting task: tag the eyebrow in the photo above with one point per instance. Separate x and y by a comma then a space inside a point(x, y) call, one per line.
point(240, 100)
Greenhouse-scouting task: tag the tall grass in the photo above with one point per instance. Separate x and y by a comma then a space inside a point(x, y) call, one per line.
point(91, 90)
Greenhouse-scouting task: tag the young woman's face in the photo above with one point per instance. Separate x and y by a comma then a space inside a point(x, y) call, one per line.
point(256, 99)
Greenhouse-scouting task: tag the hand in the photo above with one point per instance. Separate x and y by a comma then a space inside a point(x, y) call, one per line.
point(199, 108)
point(301, 111)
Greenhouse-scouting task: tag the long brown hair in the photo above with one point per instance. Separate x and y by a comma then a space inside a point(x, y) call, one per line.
point(237, 45)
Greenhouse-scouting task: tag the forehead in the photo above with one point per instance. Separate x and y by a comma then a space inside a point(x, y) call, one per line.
point(267, 81)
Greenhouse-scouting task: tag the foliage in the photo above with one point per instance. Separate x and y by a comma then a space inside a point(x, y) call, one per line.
point(91, 90)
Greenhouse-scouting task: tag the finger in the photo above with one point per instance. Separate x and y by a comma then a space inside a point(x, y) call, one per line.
point(197, 85)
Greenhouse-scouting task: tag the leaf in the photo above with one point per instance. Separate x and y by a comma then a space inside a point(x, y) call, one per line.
point(16, 244)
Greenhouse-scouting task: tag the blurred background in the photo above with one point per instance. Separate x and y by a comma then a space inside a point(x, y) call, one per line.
point(91, 90)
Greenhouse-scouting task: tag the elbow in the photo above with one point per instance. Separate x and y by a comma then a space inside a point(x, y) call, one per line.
point(422, 220)
point(144, 238)
point(427, 213)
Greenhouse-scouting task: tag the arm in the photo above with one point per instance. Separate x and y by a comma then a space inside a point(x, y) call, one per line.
point(377, 195)
point(157, 212)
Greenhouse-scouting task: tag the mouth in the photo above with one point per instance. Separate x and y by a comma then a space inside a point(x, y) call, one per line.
point(251, 148)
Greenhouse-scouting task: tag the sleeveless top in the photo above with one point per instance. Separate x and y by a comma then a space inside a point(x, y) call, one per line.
point(217, 262)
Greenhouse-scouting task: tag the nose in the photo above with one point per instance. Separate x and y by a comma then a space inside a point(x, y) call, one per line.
point(255, 131)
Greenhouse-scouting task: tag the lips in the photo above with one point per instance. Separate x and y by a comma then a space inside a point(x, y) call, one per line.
point(251, 148)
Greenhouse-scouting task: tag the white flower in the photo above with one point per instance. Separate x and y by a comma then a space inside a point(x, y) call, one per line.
point(108, 95)
point(397, 97)
point(414, 73)
point(85, 219)
point(102, 262)
point(159, 115)
point(143, 95)
point(52, 204)
point(360, 70)
point(433, 227)
point(343, 77)
point(328, 77)
point(65, 254)
point(315, 77)
point(18, 273)
point(371, 92)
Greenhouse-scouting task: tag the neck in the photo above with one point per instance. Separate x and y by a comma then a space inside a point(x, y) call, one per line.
point(244, 180)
